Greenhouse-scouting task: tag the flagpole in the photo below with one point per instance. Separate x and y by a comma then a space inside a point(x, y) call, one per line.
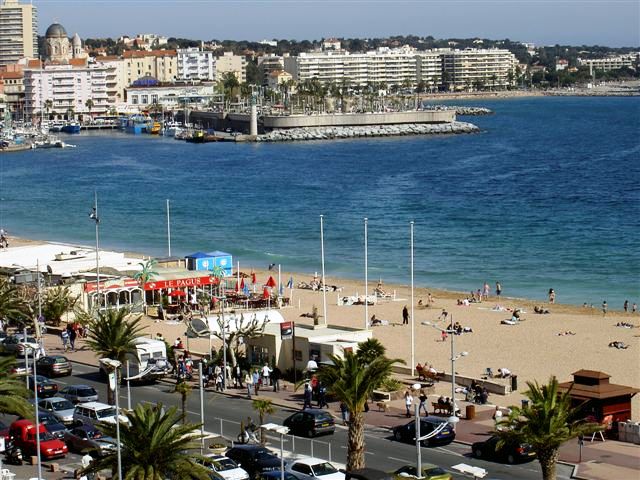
point(238, 277)
point(279, 282)
point(413, 343)
point(168, 228)
point(324, 285)
point(366, 276)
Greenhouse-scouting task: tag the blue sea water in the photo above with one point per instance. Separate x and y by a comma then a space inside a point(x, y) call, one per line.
point(547, 196)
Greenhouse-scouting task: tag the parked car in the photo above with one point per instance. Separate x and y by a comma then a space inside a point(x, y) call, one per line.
point(368, 474)
point(92, 413)
point(61, 408)
point(254, 459)
point(277, 475)
point(87, 438)
point(79, 393)
point(225, 468)
point(46, 388)
point(20, 369)
point(18, 344)
point(407, 432)
point(54, 365)
point(314, 468)
point(52, 424)
point(510, 452)
point(429, 472)
point(310, 422)
point(24, 434)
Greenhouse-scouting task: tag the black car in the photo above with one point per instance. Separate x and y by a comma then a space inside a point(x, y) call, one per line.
point(407, 432)
point(46, 388)
point(510, 452)
point(367, 474)
point(277, 475)
point(52, 424)
point(310, 422)
point(254, 459)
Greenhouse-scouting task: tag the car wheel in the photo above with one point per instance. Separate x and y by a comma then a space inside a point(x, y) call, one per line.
point(397, 435)
point(511, 459)
point(310, 433)
point(477, 452)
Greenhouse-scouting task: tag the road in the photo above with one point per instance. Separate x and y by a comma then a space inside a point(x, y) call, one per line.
point(223, 415)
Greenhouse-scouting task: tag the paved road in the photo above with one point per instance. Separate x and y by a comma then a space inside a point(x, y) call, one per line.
point(226, 412)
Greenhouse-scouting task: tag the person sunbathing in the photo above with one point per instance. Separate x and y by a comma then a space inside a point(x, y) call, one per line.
point(568, 332)
point(618, 345)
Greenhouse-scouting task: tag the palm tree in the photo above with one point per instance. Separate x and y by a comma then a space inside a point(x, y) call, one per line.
point(48, 105)
point(545, 423)
point(353, 383)
point(218, 273)
point(154, 446)
point(264, 407)
point(89, 104)
point(111, 335)
point(13, 393)
point(12, 305)
point(370, 349)
point(184, 389)
point(147, 273)
point(57, 302)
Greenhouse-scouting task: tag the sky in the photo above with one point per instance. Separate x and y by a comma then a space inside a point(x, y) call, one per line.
point(613, 23)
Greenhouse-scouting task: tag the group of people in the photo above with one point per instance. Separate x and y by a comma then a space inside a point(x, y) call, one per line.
point(314, 389)
point(70, 334)
point(477, 393)
point(422, 406)
point(265, 376)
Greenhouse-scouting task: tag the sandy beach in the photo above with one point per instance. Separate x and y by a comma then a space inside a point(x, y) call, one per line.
point(531, 349)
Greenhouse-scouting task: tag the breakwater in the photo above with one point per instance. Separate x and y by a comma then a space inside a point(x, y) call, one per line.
point(330, 133)
point(469, 111)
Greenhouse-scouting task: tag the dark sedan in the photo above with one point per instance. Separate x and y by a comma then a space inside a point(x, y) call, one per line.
point(277, 475)
point(510, 452)
point(310, 422)
point(407, 432)
point(88, 439)
point(254, 459)
point(52, 424)
point(54, 366)
point(46, 388)
point(79, 393)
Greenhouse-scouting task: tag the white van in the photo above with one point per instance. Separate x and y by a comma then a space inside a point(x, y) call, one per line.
point(92, 413)
point(147, 362)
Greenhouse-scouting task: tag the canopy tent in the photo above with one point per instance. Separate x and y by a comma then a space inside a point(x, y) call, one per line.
point(210, 260)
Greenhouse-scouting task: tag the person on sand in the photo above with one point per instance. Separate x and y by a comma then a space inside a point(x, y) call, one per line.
point(552, 295)
point(429, 299)
point(625, 307)
point(485, 290)
point(405, 316)
point(498, 289)
point(634, 308)
point(604, 308)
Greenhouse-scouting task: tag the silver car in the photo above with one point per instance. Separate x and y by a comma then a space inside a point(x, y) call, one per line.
point(79, 393)
point(61, 408)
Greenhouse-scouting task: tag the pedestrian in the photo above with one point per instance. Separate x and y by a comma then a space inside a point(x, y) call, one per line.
point(634, 308)
point(276, 375)
point(552, 296)
point(266, 371)
point(307, 396)
point(423, 403)
point(322, 396)
point(237, 375)
point(408, 401)
point(405, 316)
point(604, 308)
point(255, 378)
point(497, 417)
point(64, 335)
point(443, 315)
point(344, 412)
point(443, 335)
point(626, 306)
point(72, 337)
point(485, 291)
point(498, 289)
point(248, 381)
point(219, 382)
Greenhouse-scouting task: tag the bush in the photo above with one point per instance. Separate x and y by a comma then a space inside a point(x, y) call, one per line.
point(391, 385)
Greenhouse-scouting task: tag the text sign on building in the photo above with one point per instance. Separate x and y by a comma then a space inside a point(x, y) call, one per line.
point(286, 330)
point(181, 283)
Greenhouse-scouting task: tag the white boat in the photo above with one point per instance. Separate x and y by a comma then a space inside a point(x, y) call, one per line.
point(56, 126)
point(72, 255)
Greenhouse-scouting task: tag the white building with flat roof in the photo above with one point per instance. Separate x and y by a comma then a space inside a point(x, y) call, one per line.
point(195, 64)
point(18, 31)
point(616, 62)
point(230, 63)
point(169, 96)
point(67, 88)
point(479, 68)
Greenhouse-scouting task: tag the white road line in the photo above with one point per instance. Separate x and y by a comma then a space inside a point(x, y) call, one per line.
point(401, 460)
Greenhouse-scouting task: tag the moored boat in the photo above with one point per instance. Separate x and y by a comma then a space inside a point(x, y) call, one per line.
point(71, 127)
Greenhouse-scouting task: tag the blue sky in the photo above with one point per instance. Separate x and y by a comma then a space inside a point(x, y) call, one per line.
point(544, 22)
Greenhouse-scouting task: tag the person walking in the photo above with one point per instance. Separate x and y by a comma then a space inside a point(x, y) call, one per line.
point(64, 336)
point(237, 375)
point(276, 375)
point(485, 291)
point(248, 381)
point(552, 295)
point(256, 381)
point(604, 308)
point(405, 316)
point(498, 289)
point(626, 306)
point(266, 371)
point(72, 337)
point(408, 401)
point(322, 396)
point(344, 412)
point(423, 403)
point(307, 396)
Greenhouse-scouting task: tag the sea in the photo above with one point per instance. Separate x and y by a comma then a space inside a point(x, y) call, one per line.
point(546, 196)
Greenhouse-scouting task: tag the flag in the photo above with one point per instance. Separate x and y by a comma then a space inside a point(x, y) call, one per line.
point(242, 284)
point(281, 289)
point(237, 287)
point(246, 291)
point(253, 277)
point(265, 293)
point(290, 284)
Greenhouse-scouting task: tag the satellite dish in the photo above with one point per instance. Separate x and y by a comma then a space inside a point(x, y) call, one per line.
point(199, 327)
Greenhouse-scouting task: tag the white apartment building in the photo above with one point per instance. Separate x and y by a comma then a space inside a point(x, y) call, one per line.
point(469, 68)
point(429, 66)
point(18, 31)
point(195, 64)
point(230, 63)
point(68, 88)
point(116, 77)
point(270, 63)
point(171, 97)
point(159, 64)
point(630, 60)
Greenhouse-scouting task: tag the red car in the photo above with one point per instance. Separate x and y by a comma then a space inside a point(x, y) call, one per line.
point(23, 433)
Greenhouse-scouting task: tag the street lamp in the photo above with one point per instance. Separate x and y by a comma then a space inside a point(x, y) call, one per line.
point(282, 430)
point(94, 216)
point(114, 365)
point(454, 357)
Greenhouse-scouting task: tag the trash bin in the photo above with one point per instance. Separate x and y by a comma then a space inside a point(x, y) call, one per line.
point(514, 383)
point(525, 403)
point(470, 412)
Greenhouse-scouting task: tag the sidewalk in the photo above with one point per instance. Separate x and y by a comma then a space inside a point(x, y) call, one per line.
point(600, 460)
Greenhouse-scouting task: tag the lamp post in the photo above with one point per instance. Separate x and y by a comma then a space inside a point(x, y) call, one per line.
point(35, 390)
point(324, 285)
point(454, 358)
point(413, 323)
point(94, 216)
point(282, 430)
point(114, 365)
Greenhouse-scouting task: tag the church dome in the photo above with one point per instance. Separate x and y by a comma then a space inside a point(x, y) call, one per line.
point(56, 30)
point(76, 41)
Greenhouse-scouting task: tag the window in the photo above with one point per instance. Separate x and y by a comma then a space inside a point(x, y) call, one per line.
point(144, 99)
point(299, 467)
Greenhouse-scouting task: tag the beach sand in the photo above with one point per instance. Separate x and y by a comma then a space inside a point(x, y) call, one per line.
point(532, 349)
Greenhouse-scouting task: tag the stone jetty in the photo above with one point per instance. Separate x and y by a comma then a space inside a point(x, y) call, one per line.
point(331, 133)
point(470, 111)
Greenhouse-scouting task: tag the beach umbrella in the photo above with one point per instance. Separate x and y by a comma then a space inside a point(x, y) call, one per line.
point(271, 282)
point(242, 284)
point(246, 291)
point(253, 278)
point(265, 293)
point(177, 293)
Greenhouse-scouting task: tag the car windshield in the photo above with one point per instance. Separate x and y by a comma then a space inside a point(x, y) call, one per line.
point(62, 405)
point(85, 392)
point(60, 360)
point(324, 417)
point(46, 418)
point(323, 469)
point(107, 412)
point(224, 464)
point(432, 472)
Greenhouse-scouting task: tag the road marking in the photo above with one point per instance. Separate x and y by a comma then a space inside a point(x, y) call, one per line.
point(401, 460)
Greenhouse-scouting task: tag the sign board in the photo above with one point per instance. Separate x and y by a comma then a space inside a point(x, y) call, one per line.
point(286, 330)
point(181, 282)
